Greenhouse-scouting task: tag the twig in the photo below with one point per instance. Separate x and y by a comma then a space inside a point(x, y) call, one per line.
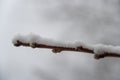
point(58, 49)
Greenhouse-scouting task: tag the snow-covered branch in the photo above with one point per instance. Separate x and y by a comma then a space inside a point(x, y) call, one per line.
point(35, 41)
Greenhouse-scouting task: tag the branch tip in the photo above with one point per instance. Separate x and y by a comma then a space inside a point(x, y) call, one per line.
point(17, 44)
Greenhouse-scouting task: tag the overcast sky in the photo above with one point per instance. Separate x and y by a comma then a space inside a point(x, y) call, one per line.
point(90, 21)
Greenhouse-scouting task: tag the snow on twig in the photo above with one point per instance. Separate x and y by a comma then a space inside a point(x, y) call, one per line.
point(35, 41)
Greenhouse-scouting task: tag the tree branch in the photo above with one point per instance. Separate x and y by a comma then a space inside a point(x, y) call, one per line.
point(58, 49)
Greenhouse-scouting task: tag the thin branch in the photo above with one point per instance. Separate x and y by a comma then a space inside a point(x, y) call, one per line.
point(58, 49)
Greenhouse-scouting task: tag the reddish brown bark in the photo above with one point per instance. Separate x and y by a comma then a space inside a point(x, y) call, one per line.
point(58, 49)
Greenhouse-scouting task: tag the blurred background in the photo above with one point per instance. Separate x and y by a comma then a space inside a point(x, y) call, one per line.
point(89, 21)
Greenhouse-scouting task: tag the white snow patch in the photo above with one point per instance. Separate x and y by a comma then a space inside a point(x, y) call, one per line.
point(38, 39)
point(101, 49)
point(98, 49)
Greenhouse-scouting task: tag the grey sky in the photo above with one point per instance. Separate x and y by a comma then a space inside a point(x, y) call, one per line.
point(92, 21)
